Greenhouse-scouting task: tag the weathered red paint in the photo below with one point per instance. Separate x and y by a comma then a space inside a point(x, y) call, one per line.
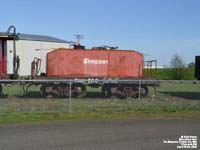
point(95, 63)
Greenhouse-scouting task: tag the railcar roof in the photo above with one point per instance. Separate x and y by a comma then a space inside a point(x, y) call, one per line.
point(44, 38)
point(32, 37)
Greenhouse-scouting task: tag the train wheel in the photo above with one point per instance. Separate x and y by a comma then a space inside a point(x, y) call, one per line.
point(106, 90)
point(116, 91)
point(124, 91)
point(46, 90)
point(103, 89)
point(79, 90)
point(144, 91)
point(129, 91)
point(62, 90)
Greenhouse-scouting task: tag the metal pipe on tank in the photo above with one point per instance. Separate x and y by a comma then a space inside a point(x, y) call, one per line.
point(12, 27)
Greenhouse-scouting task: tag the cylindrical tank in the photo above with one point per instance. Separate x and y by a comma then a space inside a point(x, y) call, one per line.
point(64, 63)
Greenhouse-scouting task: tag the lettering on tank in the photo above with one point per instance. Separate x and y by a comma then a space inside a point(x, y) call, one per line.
point(95, 61)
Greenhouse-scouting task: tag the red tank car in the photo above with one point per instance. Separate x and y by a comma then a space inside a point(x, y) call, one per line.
point(81, 63)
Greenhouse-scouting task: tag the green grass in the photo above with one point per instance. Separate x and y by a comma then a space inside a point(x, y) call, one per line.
point(30, 111)
point(189, 91)
point(25, 118)
point(166, 74)
point(173, 100)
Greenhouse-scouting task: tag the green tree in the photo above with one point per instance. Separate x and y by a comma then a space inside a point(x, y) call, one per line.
point(177, 66)
point(191, 65)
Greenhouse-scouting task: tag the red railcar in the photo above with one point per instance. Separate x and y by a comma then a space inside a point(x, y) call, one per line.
point(98, 64)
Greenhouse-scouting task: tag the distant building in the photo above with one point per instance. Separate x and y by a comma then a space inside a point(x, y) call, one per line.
point(155, 67)
point(28, 47)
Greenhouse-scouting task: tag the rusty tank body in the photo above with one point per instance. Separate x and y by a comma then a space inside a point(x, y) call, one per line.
point(78, 63)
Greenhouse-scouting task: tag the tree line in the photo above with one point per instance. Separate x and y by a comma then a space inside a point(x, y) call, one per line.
point(177, 70)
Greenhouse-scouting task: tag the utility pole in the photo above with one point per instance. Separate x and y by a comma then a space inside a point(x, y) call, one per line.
point(79, 37)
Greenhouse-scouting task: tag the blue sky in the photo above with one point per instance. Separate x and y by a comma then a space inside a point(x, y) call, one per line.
point(157, 28)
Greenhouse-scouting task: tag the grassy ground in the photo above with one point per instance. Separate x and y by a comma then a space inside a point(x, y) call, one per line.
point(26, 118)
point(166, 74)
point(172, 100)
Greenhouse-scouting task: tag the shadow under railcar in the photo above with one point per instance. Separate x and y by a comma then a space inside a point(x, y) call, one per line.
point(184, 95)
